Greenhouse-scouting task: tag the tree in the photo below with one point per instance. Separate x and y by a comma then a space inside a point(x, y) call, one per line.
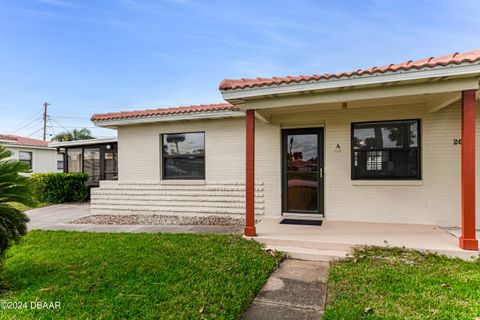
point(176, 138)
point(14, 190)
point(82, 134)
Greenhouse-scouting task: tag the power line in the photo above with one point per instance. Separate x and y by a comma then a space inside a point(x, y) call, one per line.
point(27, 126)
point(92, 107)
point(69, 127)
point(73, 127)
point(51, 126)
point(32, 122)
point(29, 121)
point(35, 132)
point(68, 117)
point(131, 107)
point(61, 126)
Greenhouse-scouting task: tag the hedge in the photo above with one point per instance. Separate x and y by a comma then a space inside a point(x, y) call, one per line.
point(60, 187)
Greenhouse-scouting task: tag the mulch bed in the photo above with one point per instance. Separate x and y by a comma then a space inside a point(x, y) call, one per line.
point(161, 220)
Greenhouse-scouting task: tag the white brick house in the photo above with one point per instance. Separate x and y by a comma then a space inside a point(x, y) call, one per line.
point(378, 145)
point(33, 152)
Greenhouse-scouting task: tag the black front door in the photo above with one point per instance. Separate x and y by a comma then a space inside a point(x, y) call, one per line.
point(302, 153)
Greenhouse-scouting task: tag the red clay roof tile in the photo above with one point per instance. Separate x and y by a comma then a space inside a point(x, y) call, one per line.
point(12, 140)
point(453, 58)
point(165, 111)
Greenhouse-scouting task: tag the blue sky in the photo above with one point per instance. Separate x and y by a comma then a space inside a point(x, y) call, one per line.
point(91, 56)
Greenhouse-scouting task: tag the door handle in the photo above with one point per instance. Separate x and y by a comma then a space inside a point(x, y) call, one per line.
point(321, 173)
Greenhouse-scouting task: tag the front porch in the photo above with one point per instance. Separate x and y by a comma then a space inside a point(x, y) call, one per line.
point(333, 239)
point(425, 107)
point(440, 192)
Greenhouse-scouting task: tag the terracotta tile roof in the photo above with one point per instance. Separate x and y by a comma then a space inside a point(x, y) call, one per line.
point(165, 111)
point(12, 140)
point(453, 58)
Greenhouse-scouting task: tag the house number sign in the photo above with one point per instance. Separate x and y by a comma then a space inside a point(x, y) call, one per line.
point(457, 141)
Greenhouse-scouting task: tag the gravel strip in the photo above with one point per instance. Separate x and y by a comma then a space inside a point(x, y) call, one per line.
point(161, 220)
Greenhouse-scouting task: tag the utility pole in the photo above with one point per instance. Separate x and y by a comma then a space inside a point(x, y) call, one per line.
point(45, 106)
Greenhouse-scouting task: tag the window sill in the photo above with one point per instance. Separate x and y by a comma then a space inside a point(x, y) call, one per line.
point(387, 182)
point(182, 182)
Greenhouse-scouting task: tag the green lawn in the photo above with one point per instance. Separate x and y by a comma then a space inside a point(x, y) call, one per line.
point(400, 284)
point(134, 276)
point(26, 208)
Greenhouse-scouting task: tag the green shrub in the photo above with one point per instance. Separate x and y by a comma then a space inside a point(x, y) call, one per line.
point(60, 187)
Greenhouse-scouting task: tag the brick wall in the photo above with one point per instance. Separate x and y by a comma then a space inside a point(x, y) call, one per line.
point(433, 200)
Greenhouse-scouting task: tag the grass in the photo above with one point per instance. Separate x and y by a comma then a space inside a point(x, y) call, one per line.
point(35, 205)
point(134, 276)
point(402, 284)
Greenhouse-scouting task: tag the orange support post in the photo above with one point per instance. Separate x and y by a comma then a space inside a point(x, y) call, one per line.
point(250, 175)
point(468, 239)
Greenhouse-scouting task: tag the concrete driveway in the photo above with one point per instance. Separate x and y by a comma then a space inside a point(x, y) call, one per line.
point(55, 217)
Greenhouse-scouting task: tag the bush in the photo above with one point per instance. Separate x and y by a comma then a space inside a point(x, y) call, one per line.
point(60, 187)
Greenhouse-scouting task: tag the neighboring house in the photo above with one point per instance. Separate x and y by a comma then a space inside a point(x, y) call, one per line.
point(96, 157)
point(33, 152)
point(394, 144)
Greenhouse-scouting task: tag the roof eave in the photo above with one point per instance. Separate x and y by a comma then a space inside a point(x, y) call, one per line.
point(26, 147)
point(62, 144)
point(452, 71)
point(114, 123)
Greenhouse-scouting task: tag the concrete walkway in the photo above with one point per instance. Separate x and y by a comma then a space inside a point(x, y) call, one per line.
point(297, 290)
point(57, 217)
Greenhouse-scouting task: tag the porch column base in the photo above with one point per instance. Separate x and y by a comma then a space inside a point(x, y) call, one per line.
point(468, 244)
point(250, 232)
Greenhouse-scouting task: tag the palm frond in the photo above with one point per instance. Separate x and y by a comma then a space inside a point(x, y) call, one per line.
point(14, 189)
point(75, 134)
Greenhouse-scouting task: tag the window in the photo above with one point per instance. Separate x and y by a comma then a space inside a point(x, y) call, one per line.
point(386, 150)
point(91, 165)
point(184, 155)
point(26, 157)
point(111, 165)
point(60, 163)
point(74, 160)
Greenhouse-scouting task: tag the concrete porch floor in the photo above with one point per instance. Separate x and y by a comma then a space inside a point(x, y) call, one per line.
point(335, 238)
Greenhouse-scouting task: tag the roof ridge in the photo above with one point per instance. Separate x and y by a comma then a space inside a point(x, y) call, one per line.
point(16, 140)
point(7, 137)
point(452, 58)
point(196, 108)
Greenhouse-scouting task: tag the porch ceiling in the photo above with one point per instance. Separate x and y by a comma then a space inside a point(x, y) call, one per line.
point(368, 95)
point(431, 95)
point(431, 102)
